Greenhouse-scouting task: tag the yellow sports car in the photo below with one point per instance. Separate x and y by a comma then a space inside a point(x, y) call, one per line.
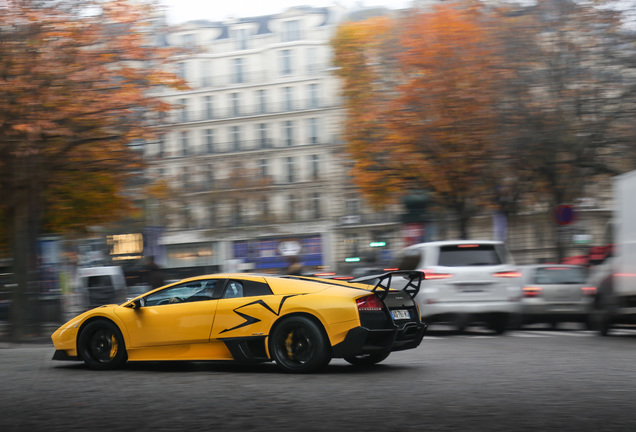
point(300, 323)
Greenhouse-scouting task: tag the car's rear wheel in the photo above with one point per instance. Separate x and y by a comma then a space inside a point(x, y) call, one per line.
point(368, 359)
point(101, 346)
point(299, 345)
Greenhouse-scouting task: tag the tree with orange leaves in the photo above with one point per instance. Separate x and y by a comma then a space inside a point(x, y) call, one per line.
point(74, 96)
point(420, 94)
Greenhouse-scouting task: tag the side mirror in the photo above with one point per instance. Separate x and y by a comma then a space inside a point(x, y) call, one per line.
point(135, 304)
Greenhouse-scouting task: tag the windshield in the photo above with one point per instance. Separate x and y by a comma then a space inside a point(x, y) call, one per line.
point(470, 255)
point(559, 275)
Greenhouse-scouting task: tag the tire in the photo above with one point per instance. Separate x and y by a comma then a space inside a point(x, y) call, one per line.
point(101, 346)
point(601, 318)
point(299, 345)
point(368, 359)
point(499, 324)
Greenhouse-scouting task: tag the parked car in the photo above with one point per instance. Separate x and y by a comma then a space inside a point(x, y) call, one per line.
point(466, 282)
point(298, 322)
point(554, 293)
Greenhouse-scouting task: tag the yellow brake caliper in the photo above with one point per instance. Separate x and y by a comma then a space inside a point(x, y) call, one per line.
point(288, 345)
point(113, 346)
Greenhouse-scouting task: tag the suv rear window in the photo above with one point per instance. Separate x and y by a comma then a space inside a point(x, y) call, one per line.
point(469, 255)
point(559, 275)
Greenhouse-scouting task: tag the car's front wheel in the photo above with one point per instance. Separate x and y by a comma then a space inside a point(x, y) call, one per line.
point(101, 346)
point(368, 359)
point(299, 345)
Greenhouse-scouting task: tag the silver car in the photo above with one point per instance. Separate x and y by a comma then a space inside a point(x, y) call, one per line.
point(466, 282)
point(554, 293)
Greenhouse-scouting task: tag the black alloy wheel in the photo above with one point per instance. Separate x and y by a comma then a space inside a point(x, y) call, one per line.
point(299, 345)
point(101, 346)
point(368, 359)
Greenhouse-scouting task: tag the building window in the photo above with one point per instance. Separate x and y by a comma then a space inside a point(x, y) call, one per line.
point(312, 128)
point(208, 140)
point(161, 144)
point(312, 60)
point(315, 206)
point(206, 73)
point(314, 166)
point(262, 101)
point(185, 176)
point(263, 141)
point(289, 169)
point(235, 104)
point(188, 40)
point(212, 216)
point(291, 31)
point(209, 175)
point(292, 205)
point(263, 168)
point(286, 62)
point(313, 96)
point(240, 38)
point(237, 213)
point(182, 70)
point(239, 76)
point(264, 207)
point(288, 133)
point(183, 110)
point(352, 206)
point(185, 143)
point(236, 138)
point(288, 103)
point(208, 107)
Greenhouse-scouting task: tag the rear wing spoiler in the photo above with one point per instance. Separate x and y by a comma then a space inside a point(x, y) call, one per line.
point(382, 286)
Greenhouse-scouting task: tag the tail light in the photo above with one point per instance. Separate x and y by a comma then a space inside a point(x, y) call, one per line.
point(588, 290)
point(369, 303)
point(343, 278)
point(530, 291)
point(507, 274)
point(430, 274)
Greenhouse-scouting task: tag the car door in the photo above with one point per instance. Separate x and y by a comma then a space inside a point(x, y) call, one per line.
point(179, 314)
point(246, 308)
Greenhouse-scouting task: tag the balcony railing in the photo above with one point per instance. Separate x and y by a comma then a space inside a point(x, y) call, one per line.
point(191, 116)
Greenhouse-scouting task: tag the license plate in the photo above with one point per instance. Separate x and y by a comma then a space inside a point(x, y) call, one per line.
point(399, 314)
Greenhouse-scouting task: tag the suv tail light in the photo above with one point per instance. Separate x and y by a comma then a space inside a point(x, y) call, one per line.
point(369, 303)
point(530, 291)
point(588, 290)
point(508, 274)
point(430, 274)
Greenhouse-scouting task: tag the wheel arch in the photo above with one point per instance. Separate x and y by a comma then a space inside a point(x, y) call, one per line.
point(99, 318)
point(308, 315)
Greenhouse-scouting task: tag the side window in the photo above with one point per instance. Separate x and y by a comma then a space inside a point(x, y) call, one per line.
point(246, 288)
point(193, 291)
point(234, 289)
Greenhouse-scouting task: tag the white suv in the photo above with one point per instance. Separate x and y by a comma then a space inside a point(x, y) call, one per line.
point(466, 282)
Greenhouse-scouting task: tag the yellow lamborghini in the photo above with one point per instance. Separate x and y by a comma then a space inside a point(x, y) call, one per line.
point(300, 323)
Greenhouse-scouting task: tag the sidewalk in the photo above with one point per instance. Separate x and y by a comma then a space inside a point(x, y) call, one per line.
point(44, 338)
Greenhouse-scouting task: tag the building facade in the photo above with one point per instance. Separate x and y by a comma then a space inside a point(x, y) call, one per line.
point(251, 160)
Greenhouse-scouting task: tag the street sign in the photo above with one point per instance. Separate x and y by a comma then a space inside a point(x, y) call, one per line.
point(564, 214)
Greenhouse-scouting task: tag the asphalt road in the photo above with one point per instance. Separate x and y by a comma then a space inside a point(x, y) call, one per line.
point(537, 380)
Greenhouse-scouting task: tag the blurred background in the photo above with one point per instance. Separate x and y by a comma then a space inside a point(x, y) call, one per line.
point(333, 135)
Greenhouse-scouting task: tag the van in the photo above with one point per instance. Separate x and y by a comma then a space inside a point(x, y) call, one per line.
point(101, 285)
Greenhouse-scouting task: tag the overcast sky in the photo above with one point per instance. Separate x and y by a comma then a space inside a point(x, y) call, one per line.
point(215, 10)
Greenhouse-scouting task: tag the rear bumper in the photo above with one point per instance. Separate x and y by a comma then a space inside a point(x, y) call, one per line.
point(555, 310)
point(361, 340)
point(449, 309)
